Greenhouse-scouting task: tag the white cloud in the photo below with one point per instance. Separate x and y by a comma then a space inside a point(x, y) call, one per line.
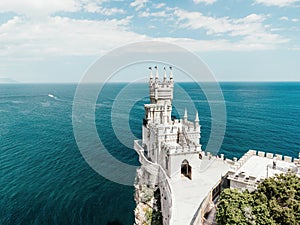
point(63, 36)
point(279, 3)
point(138, 4)
point(93, 7)
point(222, 25)
point(144, 14)
point(159, 5)
point(45, 8)
point(38, 8)
point(295, 48)
point(207, 2)
point(248, 31)
point(284, 18)
point(55, 36)
point(153, 14)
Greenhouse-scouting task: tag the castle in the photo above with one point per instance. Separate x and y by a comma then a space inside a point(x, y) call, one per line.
point(166, 141)
point(172, 161)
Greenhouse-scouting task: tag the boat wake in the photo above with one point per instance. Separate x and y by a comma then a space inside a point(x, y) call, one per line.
point(53, 96)
point(58, 99)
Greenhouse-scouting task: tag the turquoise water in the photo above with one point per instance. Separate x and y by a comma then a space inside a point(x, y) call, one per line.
point(45, 180)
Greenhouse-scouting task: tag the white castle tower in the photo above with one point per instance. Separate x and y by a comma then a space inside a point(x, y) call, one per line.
point(172, 143)
point(169, 151)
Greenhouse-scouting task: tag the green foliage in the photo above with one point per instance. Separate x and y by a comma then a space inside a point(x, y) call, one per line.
point(146, 194)
point(276, 201)
point(153, 214)
point(148, 215)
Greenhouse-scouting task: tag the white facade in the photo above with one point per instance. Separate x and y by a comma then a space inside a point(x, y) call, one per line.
point(171, 157)
point(169, 142)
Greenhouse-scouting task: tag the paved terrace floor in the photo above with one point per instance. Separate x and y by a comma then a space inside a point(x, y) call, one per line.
point(188, 194)
point(261, 167)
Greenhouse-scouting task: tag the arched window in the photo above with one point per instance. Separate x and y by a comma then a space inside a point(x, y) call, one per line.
point(167, 162)
point(186, 169)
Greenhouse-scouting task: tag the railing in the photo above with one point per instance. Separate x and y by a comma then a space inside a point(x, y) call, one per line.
point(198, 217)
point(157, 171)
point(165, 183)
point(151, 167)
point(283, 169)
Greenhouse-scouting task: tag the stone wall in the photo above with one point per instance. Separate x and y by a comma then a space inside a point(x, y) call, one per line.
point(150, 178)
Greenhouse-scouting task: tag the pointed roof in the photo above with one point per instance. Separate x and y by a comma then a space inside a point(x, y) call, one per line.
point(197, 117)
point(156, 75)
point(185, 114)
point(151, 76)
point(171, 74)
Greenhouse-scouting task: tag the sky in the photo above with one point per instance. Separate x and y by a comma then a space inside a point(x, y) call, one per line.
point(239, 40)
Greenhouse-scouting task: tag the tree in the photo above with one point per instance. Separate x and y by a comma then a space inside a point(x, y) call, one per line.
point(233, 207)
point(276, 201)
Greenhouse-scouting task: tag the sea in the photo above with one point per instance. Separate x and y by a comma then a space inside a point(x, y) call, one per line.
point(44, 179)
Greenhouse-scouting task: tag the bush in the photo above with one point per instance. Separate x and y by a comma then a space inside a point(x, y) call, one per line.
point(276, 201)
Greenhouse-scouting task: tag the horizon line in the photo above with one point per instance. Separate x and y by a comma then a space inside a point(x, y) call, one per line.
point(222, 81)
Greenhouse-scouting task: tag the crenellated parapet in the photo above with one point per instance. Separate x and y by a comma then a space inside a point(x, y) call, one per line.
point(161, 91)
point(255, 166)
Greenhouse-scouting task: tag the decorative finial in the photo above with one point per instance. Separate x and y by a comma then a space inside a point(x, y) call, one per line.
point(171, 74)
point(165, 73)
point(156, 76)
point(197, 117)
point(151, 76)
point(185, 114)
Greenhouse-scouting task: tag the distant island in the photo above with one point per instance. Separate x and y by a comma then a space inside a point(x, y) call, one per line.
point(6, 80)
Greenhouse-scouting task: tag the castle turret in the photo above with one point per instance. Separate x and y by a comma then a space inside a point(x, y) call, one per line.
point(165, 75)
point(185, 116)
point(161, 92)
point(196, 122)
point(156, 74)
point(151, 75)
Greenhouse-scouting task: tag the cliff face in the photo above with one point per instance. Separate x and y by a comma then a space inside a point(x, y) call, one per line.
point(148, 206)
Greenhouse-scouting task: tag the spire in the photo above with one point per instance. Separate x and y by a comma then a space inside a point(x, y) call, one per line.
point(196, 123)
point(197, 117)
point(165, 74)
point(156, 75)
point(151, 76)
point(185, 114)
point(171, 74)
